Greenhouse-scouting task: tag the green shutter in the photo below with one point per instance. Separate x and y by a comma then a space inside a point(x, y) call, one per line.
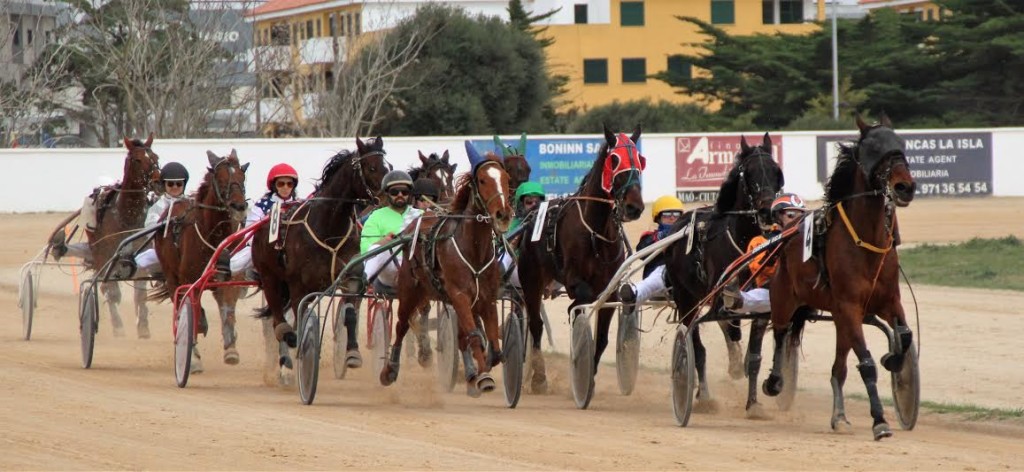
point(631, 13)
point(678, 68)
point(595, 71)
point(634, 70)
point(723, 12)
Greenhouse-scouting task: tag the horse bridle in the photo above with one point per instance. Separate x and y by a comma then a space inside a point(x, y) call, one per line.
point(759, 154)
point(357, 166)
point(152, 162)
point(222, 197)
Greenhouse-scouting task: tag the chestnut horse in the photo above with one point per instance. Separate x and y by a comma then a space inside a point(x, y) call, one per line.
point(454, 259)
point(861, 267)
point(581, 245)
point(319, 237)
point(118, 219)
point(741, 212)
point(213, 212)
point(515, 162)
point(438, 169)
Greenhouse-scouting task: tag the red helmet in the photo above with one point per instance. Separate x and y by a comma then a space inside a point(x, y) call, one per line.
point(280, 170)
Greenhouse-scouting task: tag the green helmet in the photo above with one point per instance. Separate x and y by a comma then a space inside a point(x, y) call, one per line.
point(529, 188)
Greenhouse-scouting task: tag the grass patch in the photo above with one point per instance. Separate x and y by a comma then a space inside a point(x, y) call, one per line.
point(978, 263)
point(966, 410)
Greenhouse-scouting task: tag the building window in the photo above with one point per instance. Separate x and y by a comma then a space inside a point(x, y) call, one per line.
point(358, 25)
point(791, 11)
point(280, 34)
point(595, 71)
point(679, 68)
point(318, 31)
point(348, 19)
point(332, 25)
point(631, 13)
point(723, 12)
point(309, 29)
point(931, 15)
point(28, 37)
point(16, 41)
point(48, 36)
point(634, 71)
point(580, 10)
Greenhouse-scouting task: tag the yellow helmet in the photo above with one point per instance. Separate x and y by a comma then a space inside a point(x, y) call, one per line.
point(665, 203)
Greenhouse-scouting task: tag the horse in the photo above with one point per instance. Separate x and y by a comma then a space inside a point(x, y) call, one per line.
point(212, 213)
point(581, 243)
point(514, 159)
point(742, 211)
point(438, 169)
point(318, 237)
point(453, 260)
point(856, 274)
point(120, 212)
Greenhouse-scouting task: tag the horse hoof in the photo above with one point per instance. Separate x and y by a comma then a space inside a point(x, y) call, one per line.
point(881, 430)
point(840, 424)
point(143, 331)
point(231, 356)
point(291, 339)
point(285, 378)
point(286, 362)
point(706, 406)
point(424, 358)
point(772, 386)
point(118, 331)
point(891, 362)
point(736, 370)
point(472, 391)
point(485, 383)
point(388, 376)
point(756, 411)
point(353, 359)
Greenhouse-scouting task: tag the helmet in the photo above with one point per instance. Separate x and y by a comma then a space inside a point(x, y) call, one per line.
point(173, 171)
point(425, 187)
point(280, 170)
point(665, 203)
point(788, 201)
point(529, 188)
point(395, 177)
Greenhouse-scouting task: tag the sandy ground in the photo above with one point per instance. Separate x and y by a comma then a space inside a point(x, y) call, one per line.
point(126, 413)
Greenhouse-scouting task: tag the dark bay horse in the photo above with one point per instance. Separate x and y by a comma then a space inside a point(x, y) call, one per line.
point(861, 267)
point(195, 228)
point(454, 260)
point(582, 245)
point(741, 212)
point(514, 158)
point(318, 237)
point(438, 169)
point(119, 213)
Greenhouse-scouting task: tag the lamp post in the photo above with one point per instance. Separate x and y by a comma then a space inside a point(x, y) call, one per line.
point(835, 63)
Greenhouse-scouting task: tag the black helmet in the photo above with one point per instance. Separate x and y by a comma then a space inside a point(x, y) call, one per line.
point(395, 177)
point(425, 188)
point(174, 171)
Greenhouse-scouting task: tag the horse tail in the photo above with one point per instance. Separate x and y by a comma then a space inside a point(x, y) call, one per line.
point(264, 312)
point(159, 293)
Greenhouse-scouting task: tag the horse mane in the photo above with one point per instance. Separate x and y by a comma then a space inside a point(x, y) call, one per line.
point(463, 193)
point(138, 142)
point(727, 192)
point(595, 169)
point(840, 183)
point(415, 171)
point(204, 187)
point(333, 166)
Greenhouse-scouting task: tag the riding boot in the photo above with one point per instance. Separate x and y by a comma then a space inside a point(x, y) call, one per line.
point(352, 357)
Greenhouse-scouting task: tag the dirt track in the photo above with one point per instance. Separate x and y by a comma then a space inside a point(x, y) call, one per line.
point(126, 413)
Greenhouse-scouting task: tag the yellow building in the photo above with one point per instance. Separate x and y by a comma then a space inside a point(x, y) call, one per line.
point(924, 10)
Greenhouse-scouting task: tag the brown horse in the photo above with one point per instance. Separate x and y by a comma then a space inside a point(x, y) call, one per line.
point(119, 213)
point(861, 269)
point(515, 162)
point(195, 228)
point(454, 259)
point(319, 237)
point(438, 169)
point(581, 244)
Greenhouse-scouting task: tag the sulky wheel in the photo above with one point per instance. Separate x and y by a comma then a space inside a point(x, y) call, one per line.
point(514, 351)
point(790, 371)
point(89, 318)
point(581, 361)
point(627, 350)
point(340, 342)
point(380, 336)
point(184, 338)
point(906, 390)
point(447, 347)
point(27, 302)
point(683, 376)
point(307, 355)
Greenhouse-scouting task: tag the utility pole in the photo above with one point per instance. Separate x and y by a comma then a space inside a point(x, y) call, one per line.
point(835, 63)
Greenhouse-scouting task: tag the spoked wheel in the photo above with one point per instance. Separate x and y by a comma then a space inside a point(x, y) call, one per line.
point(684, 373)
point(447, 347)
point(89, 314)
point(380, 337)
point(906, 390)
point(514, 350)
point(307, 355)
point(27, 302)
point(581, 361)
point(340, 342)
point(627, 351)
point(184, 338)
point(790, 371)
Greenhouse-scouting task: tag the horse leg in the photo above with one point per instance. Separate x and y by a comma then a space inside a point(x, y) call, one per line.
point(276, 300)
point(733, 336)
point(226, 298)
point(532, 300)
point(352, 357)
point(854, 331)
point(490, 317)
point(704, 401)
point(753, 366)
point(141, 312)
point(903, 338)
point(112, 292)
point(471, 342)
point(408, 305)
point(424, 354)
point(273, 315)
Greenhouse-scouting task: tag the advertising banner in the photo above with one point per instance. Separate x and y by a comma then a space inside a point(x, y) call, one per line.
point(703, 163)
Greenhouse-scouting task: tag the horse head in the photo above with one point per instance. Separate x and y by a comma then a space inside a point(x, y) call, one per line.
point(515, 162)
point(142, 165)
point(622, 166)
point(882, 158)
point(370, 166)
point(754, 181)
point(489, 184)
point(227, 176)
point(440, 170)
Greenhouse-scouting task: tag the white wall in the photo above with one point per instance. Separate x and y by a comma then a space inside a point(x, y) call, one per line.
point(58, 179)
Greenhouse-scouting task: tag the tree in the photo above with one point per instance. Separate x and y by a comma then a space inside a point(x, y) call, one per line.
point(525, 22)
point(476, 76)
point(662, 117)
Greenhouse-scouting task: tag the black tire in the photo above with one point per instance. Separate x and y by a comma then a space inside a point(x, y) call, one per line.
point(790, 371)
point(184, 339)
point(380, 337)
point(89, 314)
point(906, 390)
point(307, 356)
point(627, 351)
point(340, 342)
point(447, 347)
point(684, 373)
point(27, 302)
point(581, 361)
point(514, 349)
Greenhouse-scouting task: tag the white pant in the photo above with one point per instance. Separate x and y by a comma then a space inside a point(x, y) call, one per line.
point(147, 260)
point(241, 261)
point(652, 286)
point(513, 278)
point(755, 301)
point(389, 274)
